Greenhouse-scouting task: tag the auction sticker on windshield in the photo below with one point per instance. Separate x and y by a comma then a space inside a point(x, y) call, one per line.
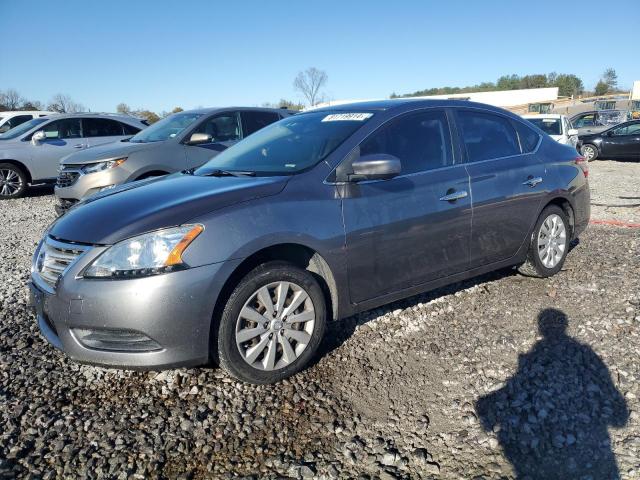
point(340, 117)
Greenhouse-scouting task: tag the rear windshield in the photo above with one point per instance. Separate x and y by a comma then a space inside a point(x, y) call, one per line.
point(22, 128)
point(290, 145)
point(550, 126)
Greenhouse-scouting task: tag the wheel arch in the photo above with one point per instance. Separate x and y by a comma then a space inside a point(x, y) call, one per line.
point(297, 254)
point(20, 165)
point(566, 207)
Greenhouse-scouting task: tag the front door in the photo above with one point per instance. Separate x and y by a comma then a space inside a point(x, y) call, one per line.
point(507, 185)
point(404, 231)
point(224, 129)
point(623, 141)
point(62, 138)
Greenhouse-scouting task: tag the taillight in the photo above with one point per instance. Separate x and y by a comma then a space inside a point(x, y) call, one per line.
point(583, 164)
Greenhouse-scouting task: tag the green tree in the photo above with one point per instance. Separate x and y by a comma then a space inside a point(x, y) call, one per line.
point(568, 85)
point(602, 88)
point(533, 81)
point(177, 110)
point(610, 77)
point(508, 82)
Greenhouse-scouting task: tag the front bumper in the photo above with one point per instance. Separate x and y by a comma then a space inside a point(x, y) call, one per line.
point(86, 185)
point(175, 310)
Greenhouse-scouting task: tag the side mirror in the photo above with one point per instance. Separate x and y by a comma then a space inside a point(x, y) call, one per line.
point(377, 166)
point(572, 132)
point(38, 137)
point(5, 128)
point(200, 138)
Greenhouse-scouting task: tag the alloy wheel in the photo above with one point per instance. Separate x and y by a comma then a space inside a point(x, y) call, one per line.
point(275, 326)
point(10, 182)
point(552, 241)
point(588, 152)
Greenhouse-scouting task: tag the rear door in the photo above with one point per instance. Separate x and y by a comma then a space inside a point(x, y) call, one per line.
point(224, 129)
point(98, 131)
point(507, 185)
point(62, 138)
point(403, 232)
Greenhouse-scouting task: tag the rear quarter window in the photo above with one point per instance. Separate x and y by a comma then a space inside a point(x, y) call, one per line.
point(528, 137)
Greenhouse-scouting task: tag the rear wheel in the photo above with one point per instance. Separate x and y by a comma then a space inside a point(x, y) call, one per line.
point(549, 244)
point(272, 324)
point(589, 152)
point(13, 181)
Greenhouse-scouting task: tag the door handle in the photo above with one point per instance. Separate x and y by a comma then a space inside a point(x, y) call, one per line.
point(78, 145)
point(453, 196)
point(532, 182)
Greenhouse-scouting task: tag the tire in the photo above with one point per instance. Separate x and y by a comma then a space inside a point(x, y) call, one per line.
point(589, 151)
point(542, 263)
point(13, 181)
point(261, 335)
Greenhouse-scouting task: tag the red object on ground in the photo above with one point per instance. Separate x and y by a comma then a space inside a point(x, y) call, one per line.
point(617, 223)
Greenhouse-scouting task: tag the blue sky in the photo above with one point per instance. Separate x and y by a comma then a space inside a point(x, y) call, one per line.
point(160, 54)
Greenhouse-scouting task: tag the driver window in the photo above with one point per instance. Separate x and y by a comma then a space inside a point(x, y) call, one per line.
point(586, 121)
point(222, 128)
point(420, 140)
point(69, 128)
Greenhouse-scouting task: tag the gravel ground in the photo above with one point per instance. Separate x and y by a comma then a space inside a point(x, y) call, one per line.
point(500, 377)
point(615, 190)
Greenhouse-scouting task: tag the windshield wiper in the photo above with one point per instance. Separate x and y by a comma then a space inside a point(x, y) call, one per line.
point(228, 173)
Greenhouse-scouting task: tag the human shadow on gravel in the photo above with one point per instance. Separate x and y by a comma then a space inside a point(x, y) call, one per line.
point(551, 417)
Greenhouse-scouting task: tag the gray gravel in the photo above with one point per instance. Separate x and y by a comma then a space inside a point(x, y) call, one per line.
point(457, 383)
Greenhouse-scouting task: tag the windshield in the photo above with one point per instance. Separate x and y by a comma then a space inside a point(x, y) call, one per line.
point(550, 126)
point(166, 128)
point(22, 128)
point(290, 145)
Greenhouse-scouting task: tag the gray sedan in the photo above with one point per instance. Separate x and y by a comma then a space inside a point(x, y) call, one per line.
point(181, 141)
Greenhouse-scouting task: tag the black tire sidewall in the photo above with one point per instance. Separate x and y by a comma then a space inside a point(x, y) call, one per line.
point(23, 177)
point(227, 350)
point(533, 253)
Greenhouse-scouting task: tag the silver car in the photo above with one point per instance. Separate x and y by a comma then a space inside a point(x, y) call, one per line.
point(181, 141)
point(30, 153)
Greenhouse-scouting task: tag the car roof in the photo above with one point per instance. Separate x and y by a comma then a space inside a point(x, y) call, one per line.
point(126, 118)
point(398, 103)
point(10, 113)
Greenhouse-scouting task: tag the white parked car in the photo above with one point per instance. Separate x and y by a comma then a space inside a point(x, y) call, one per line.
point(11, 119)
point(556, 126)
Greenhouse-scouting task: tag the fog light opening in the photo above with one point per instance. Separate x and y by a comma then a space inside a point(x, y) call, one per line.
point(115, 340)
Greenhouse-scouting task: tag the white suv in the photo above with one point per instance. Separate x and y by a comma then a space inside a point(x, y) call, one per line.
point(11, 119)
point(556, 126)
point(30, 153)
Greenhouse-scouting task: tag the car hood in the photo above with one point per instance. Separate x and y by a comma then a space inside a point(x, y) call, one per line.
point(108, 151)
point(151, 204)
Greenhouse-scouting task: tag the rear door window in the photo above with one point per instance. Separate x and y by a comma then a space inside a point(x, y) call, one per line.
point(19, 120)
point(130, 130)
point(101, 127)
point(254, 121)
point(487, 136)
point(422, 141)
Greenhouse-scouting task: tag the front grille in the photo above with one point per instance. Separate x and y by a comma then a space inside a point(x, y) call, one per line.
point(66, 178)
point(55, 257)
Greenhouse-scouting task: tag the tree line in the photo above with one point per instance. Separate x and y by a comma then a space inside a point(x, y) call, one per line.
point(568, 85)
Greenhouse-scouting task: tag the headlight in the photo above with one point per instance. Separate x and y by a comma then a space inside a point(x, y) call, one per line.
point(101, 166)
point(149, 254)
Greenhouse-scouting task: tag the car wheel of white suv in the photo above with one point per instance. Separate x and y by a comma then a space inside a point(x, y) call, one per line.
point(13, 181)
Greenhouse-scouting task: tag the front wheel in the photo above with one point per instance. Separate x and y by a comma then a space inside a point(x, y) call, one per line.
point(13, 181)
point(272, 324)
point(589, 152)
point(549, 244)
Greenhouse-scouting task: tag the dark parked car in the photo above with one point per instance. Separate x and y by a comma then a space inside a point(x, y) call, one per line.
point(597, 120)
point(318, 216)
point(621, 141)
